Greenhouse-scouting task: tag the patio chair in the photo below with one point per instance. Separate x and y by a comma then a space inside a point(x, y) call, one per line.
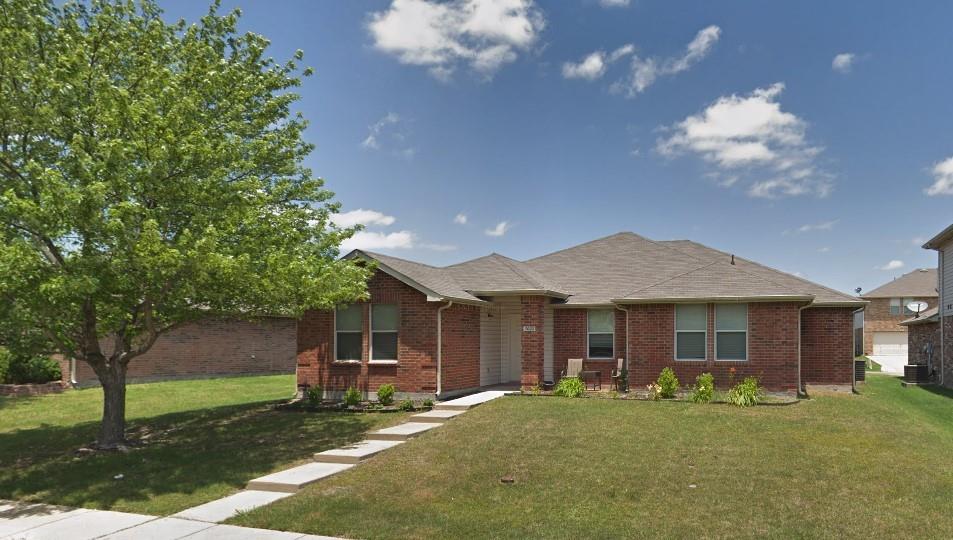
point(616, 376)
point(573, 367)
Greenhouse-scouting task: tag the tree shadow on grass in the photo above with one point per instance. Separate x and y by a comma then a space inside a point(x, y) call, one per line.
point(187, 458)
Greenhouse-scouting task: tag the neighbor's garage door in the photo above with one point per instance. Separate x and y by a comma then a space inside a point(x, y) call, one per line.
point(890, 343)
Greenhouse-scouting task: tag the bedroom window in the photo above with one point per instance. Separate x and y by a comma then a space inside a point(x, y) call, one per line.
point(347, 333)
point(896, 304)
point(601, 333)
point(384, 323)
point(906, 310)
point(691, 331)
point(731, 331)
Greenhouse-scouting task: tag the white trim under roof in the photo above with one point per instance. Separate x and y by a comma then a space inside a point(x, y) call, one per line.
point(432, 296)
point(937, 241)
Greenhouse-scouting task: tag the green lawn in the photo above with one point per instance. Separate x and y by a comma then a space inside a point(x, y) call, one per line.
point(875, 465)
point(871, 365)
point(206, 439)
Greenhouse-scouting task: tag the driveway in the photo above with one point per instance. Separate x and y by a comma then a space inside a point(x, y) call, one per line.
point(892, 363)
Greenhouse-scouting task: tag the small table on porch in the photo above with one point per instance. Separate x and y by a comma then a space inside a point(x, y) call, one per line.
point(591, 376)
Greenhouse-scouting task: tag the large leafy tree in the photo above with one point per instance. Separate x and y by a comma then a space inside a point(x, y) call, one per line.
point(151, 174)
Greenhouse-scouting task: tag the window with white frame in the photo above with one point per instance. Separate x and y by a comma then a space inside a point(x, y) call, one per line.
point(384, 324)
point(347, 332)
point(896, 305)
point(601, 333)
point(731, 331)
point(691, 331)
point(907, 310)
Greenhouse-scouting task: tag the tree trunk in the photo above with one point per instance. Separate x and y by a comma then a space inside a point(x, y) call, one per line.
point(112, 431)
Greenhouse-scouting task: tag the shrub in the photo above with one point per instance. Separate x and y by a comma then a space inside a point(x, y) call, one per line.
point(33, 369)
point(570, 387)
point(655, 391)
point(704, 388)
point(428, 403)
point(746, 393)
point(314, 395)
point(668, 383)
point(352, 397)
point(535, 390)
point(4, 364)
point(385, 394)
point(623, 381)
point(406, 405)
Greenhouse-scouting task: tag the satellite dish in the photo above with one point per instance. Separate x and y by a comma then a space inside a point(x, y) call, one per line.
point(917, 307)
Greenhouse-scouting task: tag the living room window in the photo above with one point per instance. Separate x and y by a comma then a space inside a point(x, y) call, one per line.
point(601, 333)
point(731, 331)
point(691, 331)
point(384, 324)
point(347, 333)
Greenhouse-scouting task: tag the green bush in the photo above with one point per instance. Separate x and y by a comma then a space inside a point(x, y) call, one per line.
point(746, 393)
point(4, 364)
point(314, 395)
point(32, 369)
point(352, 397)
point(406, 405)
point(668, 383)
point(385, 394)
point(704, 388)
point(570, 387)
point(428, 403)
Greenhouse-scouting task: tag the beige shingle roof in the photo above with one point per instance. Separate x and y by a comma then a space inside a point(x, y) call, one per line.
point(929, 316)
point(622, 267)
point(921, 282)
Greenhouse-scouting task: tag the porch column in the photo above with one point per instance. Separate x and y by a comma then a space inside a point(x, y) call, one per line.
point(531, 339)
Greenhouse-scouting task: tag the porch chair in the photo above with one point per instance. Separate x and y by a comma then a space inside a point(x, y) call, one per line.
point(573, 367)
point(616, 376)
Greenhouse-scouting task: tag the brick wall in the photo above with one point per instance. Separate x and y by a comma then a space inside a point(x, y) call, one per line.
point(570, 328)
point(918, 337)
point(416, 369)
point(948, 351)
point(877, 318)
point(208, 348)
point(772, 347)
point(532, 313)
point(827, 346)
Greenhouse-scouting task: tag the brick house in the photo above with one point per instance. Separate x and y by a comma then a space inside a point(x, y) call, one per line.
point(887, 308)
point(943, 347)
point(495, 320)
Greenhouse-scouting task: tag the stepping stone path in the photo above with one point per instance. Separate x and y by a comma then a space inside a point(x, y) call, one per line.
point(272, 487)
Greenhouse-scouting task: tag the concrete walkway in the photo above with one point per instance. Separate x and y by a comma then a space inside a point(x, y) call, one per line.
point(892, 364)
point(22, 521)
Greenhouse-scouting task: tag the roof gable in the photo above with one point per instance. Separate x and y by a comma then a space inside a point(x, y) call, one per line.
point(922, 282)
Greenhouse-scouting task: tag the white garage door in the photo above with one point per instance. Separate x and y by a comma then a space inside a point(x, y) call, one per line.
point(890, 343)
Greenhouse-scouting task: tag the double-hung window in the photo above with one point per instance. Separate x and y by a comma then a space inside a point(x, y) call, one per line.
point(691, 331)
point(348, 332)
point(731, 331)
point(907, 310)
point(601, 333)
point(896, 305)
point(384, 323)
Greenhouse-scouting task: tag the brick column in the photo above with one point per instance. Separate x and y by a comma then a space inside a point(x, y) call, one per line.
point(531, 339)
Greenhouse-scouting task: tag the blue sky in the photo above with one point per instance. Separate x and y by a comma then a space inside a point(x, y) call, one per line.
point(813, 136)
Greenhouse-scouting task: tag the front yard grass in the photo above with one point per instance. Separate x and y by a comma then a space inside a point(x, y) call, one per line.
point(205, 439)
point(875, 465)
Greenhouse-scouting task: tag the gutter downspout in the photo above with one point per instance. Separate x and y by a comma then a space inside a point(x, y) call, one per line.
point(440, 346)
point(626, 335)
point(72, 372)
point(800, 313)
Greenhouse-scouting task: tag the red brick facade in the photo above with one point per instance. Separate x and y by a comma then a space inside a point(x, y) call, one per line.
point(210, 348)
point(570, 340)
point(919, 337)
point(877, 318)
point(416, 369)
point(532, 338)
point(827, 354)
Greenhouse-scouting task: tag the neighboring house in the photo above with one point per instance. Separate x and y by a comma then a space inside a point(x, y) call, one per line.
point(208, 348)
point(923, 338)
point(943, 350)
point(495, 320)
point(887, 308)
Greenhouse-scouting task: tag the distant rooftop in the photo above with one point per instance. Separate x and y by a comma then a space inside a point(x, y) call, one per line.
point(921, 282)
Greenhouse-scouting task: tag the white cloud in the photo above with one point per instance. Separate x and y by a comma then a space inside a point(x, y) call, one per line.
point(614, 3)
point(390, 133)
point(361, 217)
point(594, 65)
point(824, 249)
point(378, 240)
point(843, 62)
point(645, 71)
point(486, 34)
point(752, 134)
point(892, 265)
point(822, 226)
point(374, 130)
point(943, 178)
point(460, 219)
point(499, 230)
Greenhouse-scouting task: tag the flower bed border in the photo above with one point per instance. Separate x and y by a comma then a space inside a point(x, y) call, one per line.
point(32, 389)
point(783, 401)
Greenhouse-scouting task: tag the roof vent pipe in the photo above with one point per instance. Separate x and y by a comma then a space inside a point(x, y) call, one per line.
point(732, 258)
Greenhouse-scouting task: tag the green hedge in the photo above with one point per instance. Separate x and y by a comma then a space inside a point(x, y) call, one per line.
point(16, 369)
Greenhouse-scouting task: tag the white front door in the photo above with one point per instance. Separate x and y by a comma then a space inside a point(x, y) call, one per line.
point(511, 360)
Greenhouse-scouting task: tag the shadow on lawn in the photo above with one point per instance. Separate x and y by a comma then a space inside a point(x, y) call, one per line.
point(938, 390)
point(218, 449)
